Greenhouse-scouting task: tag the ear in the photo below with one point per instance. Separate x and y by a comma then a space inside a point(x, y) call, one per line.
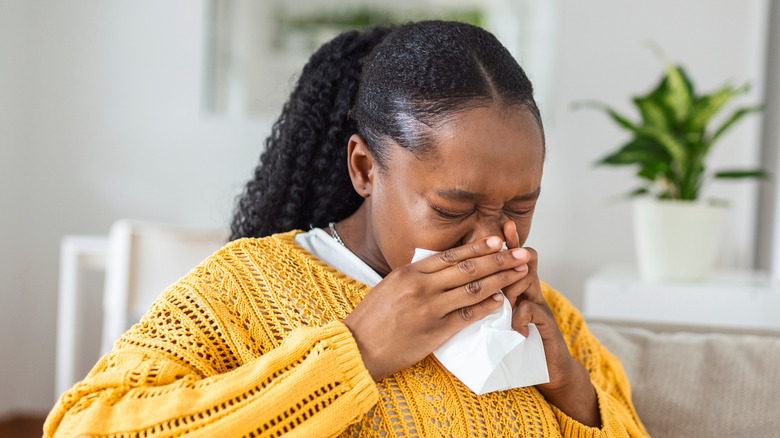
point(362, 167)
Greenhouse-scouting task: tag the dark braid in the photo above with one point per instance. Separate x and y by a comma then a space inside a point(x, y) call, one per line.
point(302, 178)
point(417, 77)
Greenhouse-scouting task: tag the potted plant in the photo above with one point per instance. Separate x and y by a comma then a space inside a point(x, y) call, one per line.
point(676, 232)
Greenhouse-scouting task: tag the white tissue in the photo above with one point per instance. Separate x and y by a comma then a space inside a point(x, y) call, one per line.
point(489, 355)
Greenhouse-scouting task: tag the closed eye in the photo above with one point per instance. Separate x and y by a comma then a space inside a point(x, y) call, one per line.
point(519, 212)
point(451, 214)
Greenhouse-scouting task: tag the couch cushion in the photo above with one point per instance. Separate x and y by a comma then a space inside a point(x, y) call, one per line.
point(700, 385)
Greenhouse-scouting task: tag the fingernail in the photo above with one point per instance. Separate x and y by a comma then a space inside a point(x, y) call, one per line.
point(521, 268)
point(498, 296)
point(518, 253)
point(494, 242)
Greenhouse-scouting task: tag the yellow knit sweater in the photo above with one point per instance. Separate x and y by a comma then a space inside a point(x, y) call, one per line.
point(249, 343)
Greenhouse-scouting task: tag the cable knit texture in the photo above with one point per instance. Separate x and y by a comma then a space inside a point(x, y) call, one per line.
point(249, 343)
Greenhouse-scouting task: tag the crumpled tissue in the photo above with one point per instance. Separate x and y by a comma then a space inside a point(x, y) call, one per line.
point(489, 355)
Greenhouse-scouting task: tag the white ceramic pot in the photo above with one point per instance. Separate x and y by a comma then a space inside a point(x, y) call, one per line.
point(676, 240)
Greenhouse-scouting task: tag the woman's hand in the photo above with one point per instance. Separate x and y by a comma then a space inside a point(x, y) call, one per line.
point(417, 307)
point(569, 388)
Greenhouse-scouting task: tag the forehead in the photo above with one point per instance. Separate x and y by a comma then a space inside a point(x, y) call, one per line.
point(481, 149)
point(489, 131)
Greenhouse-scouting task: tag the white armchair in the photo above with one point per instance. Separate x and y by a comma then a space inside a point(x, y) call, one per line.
point(140, 259)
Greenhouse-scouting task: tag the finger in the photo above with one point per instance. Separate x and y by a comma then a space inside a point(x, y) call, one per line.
point(453, 256)
point(533, 256)
point(474, 269)
point(511, 237)
point(528, 312)
point(464, 316)
point(477, 290)
point(515, 291)
point(534, 290)
point(529, 287)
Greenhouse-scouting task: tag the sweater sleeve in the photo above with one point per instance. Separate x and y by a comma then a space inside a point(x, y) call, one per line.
point(618, 416)
point(209, 359)
point(313, 384)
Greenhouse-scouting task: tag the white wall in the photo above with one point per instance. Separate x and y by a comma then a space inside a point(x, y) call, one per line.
point(13, 50)
point(100, 119)
point(602, 54)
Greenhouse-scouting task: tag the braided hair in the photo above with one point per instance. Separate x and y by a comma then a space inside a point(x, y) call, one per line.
point(389, 85)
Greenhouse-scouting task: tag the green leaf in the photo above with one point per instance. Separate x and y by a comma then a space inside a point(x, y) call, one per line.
point(638, 192)
point(680, 92)
point(676, 89)
point(641, 150)
point(614, 115)
point(675, 149)
point(744, 173)
point(622, 197)
point(735, 117)
point(705, 107)
point(622, 157)
point(651, 172)
point(652, 111)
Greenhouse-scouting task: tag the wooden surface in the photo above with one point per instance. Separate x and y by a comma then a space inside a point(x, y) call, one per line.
point(22, 427)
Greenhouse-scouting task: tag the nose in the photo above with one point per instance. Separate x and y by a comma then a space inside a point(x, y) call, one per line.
point(486, 226)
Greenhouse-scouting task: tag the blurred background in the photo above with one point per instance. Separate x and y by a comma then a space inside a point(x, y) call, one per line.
point(157, 110)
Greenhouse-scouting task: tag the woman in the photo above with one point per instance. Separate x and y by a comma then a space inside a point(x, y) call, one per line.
point(422, 136)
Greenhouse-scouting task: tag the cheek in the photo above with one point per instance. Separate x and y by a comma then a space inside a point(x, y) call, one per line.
point(425, 231)
point(439, 235)
point(401, 225)
point(416, 227)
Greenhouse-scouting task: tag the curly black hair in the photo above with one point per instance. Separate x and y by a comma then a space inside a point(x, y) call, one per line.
point(387, 84)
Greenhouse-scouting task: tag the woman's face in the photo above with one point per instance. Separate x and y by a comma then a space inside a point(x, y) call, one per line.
point(485, 169)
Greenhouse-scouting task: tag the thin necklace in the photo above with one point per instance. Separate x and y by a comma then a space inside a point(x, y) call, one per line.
point(335, 234)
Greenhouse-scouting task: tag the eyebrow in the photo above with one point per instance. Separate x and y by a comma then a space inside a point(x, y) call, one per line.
point(465, 195)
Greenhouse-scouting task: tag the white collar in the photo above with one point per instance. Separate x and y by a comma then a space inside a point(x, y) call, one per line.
point(321, 245)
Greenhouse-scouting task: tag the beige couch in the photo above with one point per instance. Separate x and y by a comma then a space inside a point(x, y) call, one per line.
point(700, 385)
